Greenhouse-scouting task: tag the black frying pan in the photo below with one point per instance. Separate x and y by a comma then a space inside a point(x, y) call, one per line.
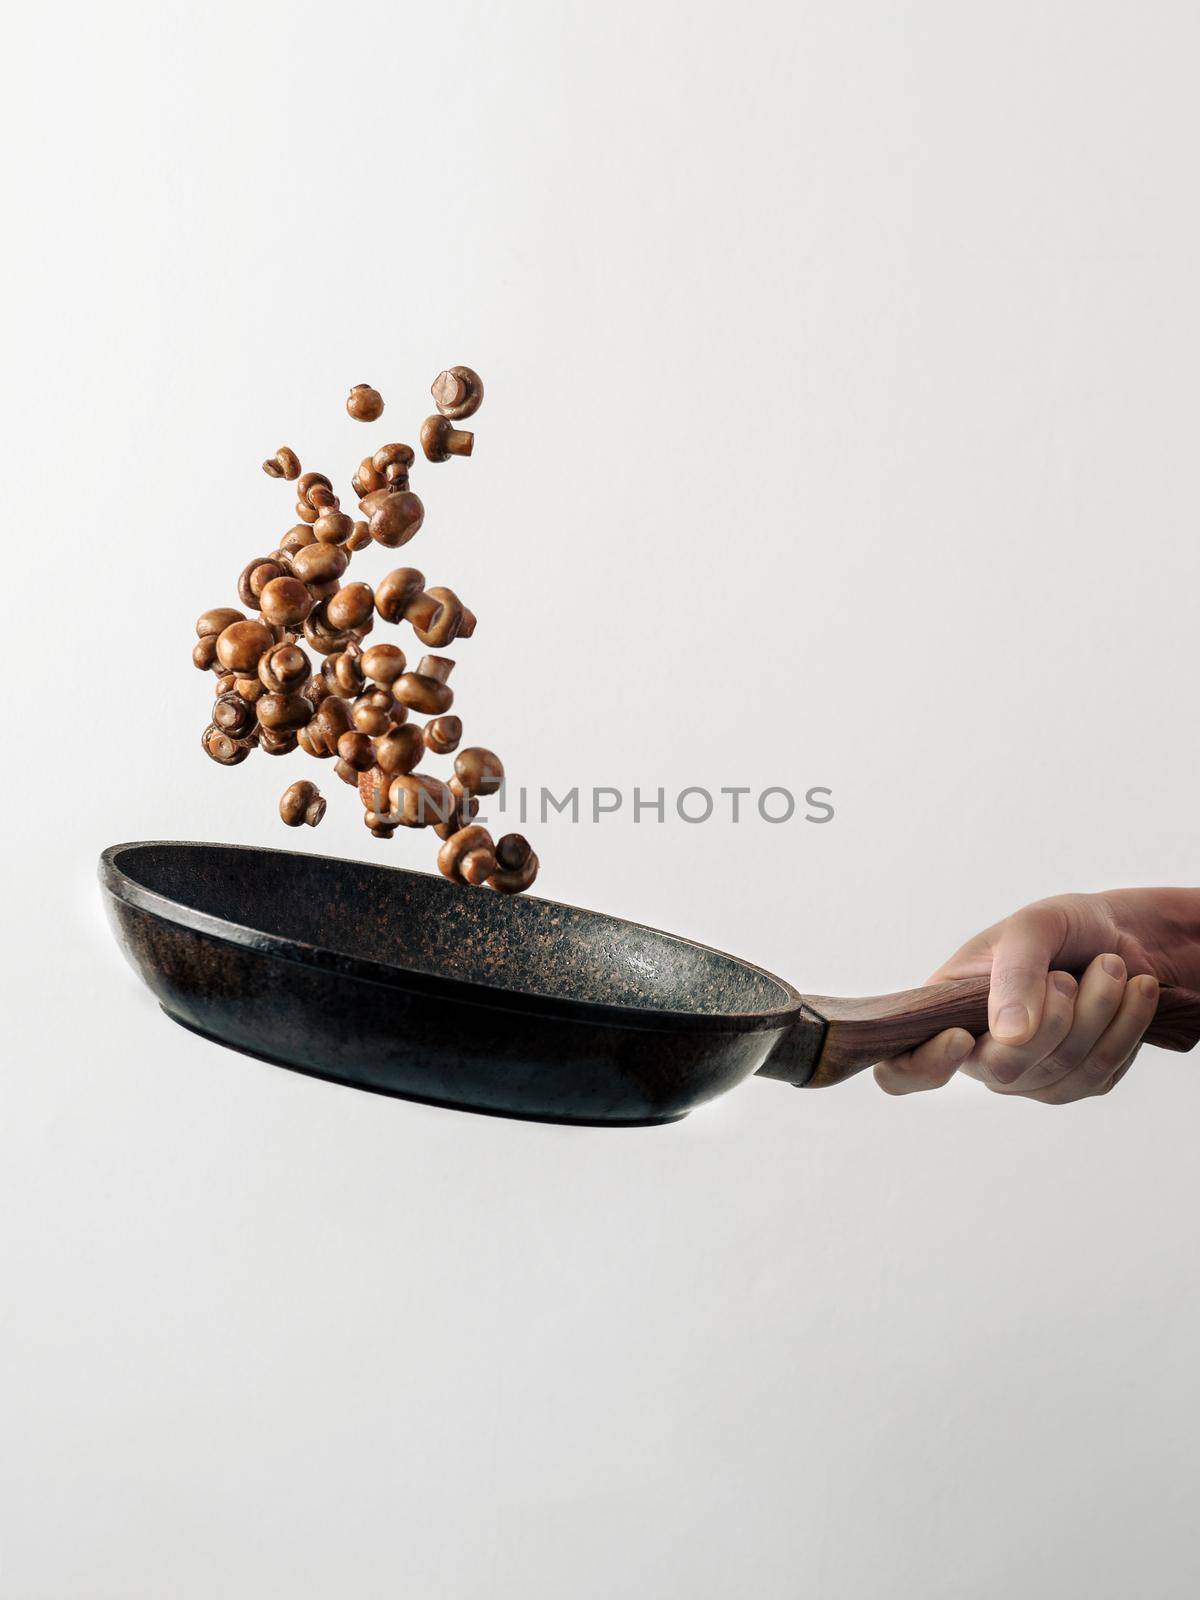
point(407, 984)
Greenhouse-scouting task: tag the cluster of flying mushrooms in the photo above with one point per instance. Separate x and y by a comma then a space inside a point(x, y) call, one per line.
point(356, 708)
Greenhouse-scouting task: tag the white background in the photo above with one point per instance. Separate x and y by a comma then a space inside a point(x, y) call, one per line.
point(840, 429)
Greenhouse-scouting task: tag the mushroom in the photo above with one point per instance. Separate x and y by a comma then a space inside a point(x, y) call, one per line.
point(333, 526)
point(426, 689)
point(234, 716)
point(284, 463)
point(240, 645)
point(364, 403)
point(440, 439)
point(210, 623)
point(319, 562)
point(517, 866)
point(284, 668)
point(284, 713)
point(395, 519)
point(356, 754)
point(367, 479)
point(394, 462)
point(297, 538)
point(276, 742)
point(443, 735)
point(457, 392)
point(400, 750)
point(301, 802)
point(477, 771)
point(223, 747)
point(383, 663)
point(359, 539)
point(439, 617)
point(377, 710)
point(396, 592)
point(418, 801)
point(344, 672)
point(285, 602)
point(350, 607)
point(204, 652)
point(468, 856)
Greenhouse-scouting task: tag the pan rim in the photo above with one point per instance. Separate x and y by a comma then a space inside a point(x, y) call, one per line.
point(117, 882)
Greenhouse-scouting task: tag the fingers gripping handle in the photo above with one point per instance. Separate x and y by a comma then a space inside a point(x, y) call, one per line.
point(860, 1032)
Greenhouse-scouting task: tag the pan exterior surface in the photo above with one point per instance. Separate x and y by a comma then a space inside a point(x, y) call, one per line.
point(434, 992)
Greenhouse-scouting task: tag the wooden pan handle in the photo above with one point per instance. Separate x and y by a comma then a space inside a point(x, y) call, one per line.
point(861, 1032)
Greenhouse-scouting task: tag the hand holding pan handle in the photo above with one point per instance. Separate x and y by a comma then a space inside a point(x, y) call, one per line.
point(834, 1038)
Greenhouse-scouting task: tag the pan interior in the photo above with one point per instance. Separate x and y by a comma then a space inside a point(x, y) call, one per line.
point(416, 921)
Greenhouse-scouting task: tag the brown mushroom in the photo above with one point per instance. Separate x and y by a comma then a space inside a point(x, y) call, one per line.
point(240, 645)
point(440, 439)
point(284, 463)
point(364, 403)
point(517, 866)
point(210, 623)
point(355, 751)
point(359, 539)
point(400, 750)
point(439, 617)
point(397, 591)
point(284, 668)
point(477, 771)
point(457, 392)
point(418, 801)
point(394, 463)
point(222, 747)
point(346, 772)
point(350, 607)
point(377, 710)
point(333, 526)
point(367, 478)
point(443, 735)
point(284, 713)
point(301, 802)
point(298, 538)
point(277, 741)
point(285, 602)
point(383, 663)
point(310, 482)
point(468, 856)
point(204, 652)
point(426, 689)
point(320, 563)
point(234, 716)
point(393, 521)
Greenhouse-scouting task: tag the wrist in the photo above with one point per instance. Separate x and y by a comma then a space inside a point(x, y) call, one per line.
point(1160, 931)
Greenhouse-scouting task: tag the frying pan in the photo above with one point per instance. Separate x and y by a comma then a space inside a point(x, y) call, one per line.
point(407, 984)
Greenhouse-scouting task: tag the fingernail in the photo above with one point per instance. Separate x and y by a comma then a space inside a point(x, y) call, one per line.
point(1012, 1022)
point(1065, 983)
point(1147, 987)
point(959, 1049)
point(1113, 965)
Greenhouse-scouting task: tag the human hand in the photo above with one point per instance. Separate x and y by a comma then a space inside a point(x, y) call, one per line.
point(1051, 1038)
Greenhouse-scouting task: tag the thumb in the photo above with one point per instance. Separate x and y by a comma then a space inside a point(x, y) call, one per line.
point(1025, 946)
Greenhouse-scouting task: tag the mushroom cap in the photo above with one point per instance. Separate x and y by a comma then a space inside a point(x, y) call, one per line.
point(285, 601)
point(364, 403)
point(457, 392)
point(478, 770)
point(394, 522)
point(468, 856)
point(395, 592)
point(383, 663)
point(217, 620)
point(351, 606)
point(240, 645)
